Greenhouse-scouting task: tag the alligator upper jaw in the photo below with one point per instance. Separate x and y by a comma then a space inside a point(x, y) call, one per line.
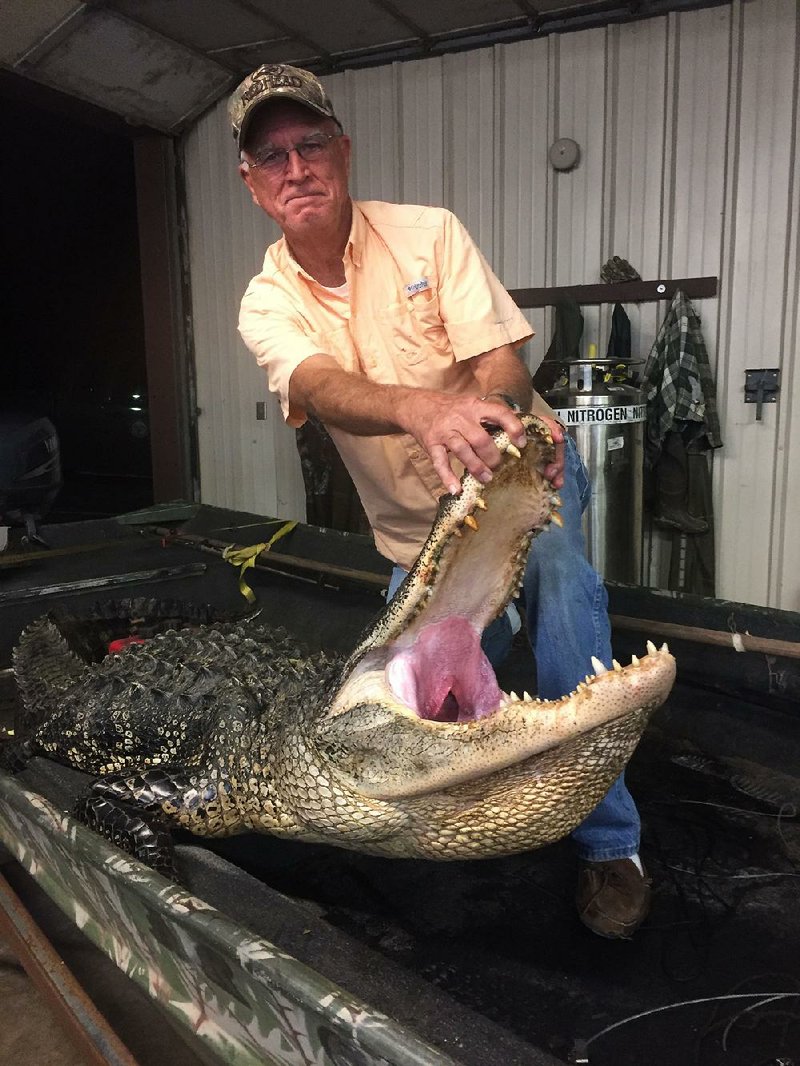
point(426, 645)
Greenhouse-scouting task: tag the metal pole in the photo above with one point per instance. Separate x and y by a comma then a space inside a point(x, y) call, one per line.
point(111, 581)
point(87, 1028)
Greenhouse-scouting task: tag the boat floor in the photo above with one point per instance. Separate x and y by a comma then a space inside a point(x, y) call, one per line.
point(713, 976)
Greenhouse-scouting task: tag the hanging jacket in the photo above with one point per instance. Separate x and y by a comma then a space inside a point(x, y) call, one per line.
point(678, 384)
point(564, 347)
point(619, 341)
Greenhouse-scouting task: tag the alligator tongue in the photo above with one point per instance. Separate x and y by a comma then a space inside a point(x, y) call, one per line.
point(444, 675)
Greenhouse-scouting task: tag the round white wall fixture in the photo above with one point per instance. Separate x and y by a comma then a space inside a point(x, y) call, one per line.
point(564, 154)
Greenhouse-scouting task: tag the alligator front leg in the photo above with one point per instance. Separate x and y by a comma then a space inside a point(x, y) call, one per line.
point(136, 811)
point(129, 829)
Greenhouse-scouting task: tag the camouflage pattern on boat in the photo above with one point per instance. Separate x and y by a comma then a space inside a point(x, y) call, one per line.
point(250, 1002)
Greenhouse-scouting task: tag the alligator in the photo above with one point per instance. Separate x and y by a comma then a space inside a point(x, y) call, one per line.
point(408, 748)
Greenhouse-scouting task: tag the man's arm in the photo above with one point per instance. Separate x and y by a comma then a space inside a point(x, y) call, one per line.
point(443, 423)
point(500, 374)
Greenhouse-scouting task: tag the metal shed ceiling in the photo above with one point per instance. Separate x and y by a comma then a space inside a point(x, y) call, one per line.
point(161, 63)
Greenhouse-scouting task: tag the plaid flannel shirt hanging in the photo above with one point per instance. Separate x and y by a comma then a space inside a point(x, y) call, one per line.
point(678, 384)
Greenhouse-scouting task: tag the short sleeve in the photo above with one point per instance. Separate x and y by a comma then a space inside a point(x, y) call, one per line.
point(273, 331)
point(477, 311)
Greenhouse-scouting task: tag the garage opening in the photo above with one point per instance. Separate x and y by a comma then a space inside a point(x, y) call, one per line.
point(73, 335)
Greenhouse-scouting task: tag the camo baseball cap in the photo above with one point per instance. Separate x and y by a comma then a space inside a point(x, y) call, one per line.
point(276, 81)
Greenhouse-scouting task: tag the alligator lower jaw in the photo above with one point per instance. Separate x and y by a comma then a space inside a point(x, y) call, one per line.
point(389, 752)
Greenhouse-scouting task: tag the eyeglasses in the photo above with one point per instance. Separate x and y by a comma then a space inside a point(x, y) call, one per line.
point(274, 160)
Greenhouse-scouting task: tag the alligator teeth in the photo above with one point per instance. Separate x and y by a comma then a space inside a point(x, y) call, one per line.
point(513, 696)
point(457, 533)
point(555, 499)
point(598, 667)
point(471, 522)
point(615, 664)
point(480, 502)
point(512, 449)
point(665, 647)
point(556, 517)
point(527, 697)
point(651, 648)
point(635, 660)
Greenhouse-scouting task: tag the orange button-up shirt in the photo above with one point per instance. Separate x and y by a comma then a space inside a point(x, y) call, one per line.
point(421, 301)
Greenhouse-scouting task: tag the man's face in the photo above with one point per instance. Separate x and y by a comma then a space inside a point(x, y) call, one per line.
point(303, 195)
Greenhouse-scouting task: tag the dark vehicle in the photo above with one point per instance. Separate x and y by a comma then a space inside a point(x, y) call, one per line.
point(30, 469)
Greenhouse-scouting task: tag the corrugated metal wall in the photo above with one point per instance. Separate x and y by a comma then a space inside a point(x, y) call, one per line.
point(688, 126)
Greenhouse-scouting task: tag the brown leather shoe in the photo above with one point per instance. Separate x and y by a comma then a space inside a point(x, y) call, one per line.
point(613, 898)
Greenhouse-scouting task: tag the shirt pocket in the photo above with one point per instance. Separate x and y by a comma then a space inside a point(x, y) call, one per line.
point(412, 330)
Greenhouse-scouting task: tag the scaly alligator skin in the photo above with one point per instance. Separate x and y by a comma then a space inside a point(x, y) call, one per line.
point(408, 749)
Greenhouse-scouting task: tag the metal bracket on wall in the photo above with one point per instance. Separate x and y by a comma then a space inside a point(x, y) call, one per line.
point(760, 387)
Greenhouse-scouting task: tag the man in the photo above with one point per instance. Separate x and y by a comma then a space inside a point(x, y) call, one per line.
point(386, 323)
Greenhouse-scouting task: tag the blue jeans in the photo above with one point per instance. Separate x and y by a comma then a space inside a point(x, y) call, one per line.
point(566, 606)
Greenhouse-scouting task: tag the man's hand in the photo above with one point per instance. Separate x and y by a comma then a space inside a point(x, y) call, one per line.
point(449, 426)
point(555, 471)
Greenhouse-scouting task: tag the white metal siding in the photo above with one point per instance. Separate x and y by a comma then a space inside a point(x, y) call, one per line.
point(244, 463)
point(754, 268)
point(689, 131)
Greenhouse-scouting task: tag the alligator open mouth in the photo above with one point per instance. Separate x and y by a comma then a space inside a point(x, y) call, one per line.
point(419, 708)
